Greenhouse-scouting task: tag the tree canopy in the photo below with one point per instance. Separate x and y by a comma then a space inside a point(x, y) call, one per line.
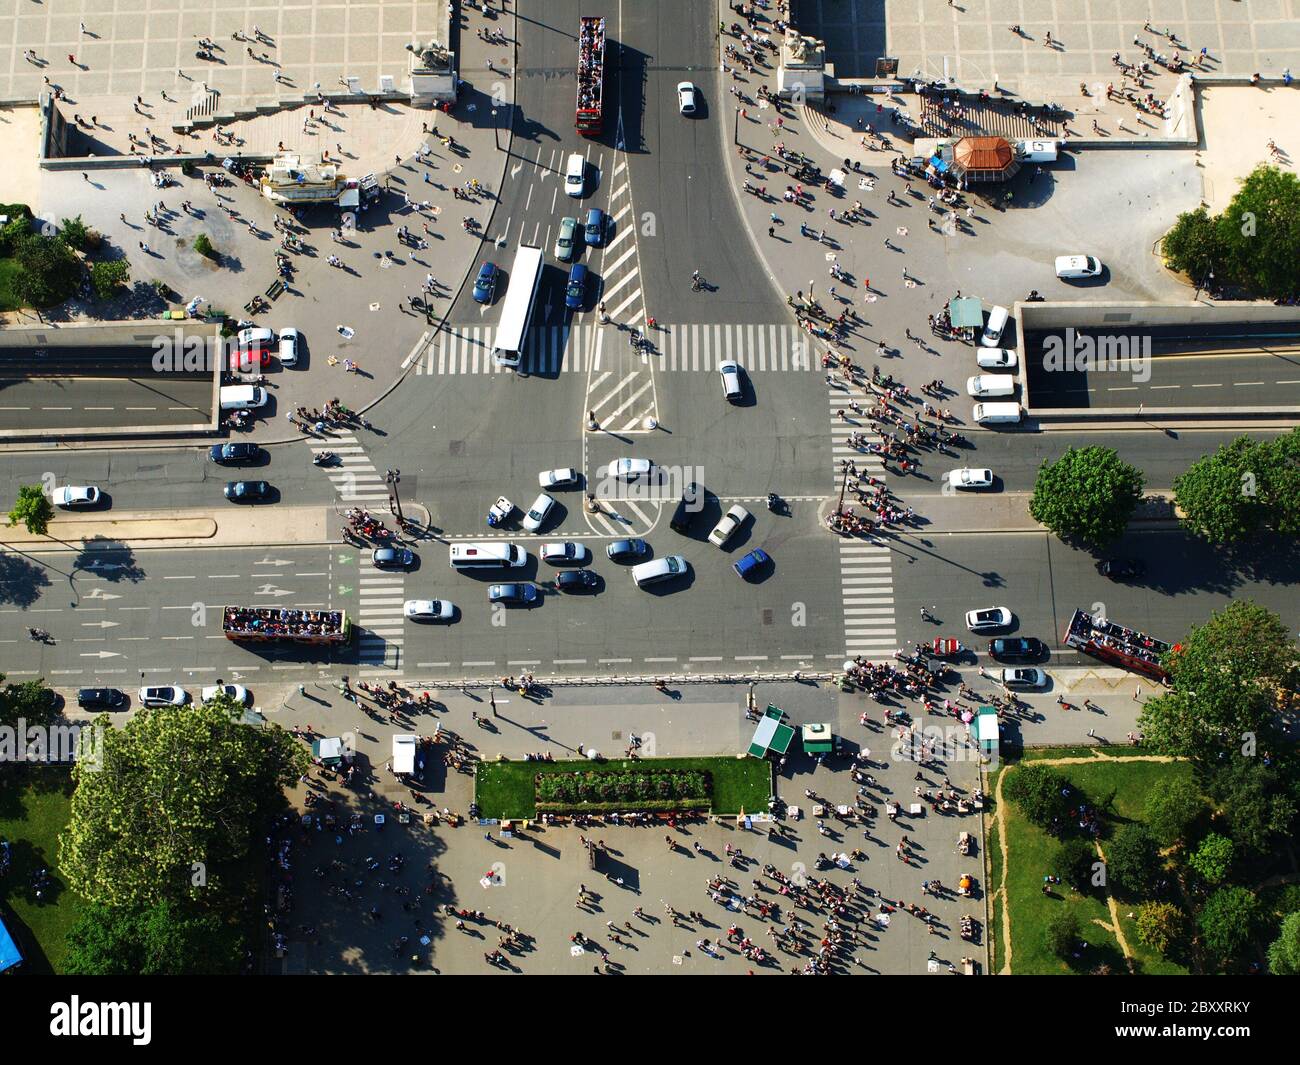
point(1173, 806)
point(176, 800)
point(1086, 496)
point(1041, 794)
point(165, 939)
point(1227, 922)
point(1243, 489)
point(1254, 243)
point(32, 509)
point(48, 270)
point(1224, 683)
point(1284, 952)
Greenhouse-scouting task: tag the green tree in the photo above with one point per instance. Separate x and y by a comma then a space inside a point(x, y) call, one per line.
point(1041, 794)
point(1087, 496)
point(1173, 806)
point(1284, 952)
point(28, 701)
point(1193, 245)
point(1213, 858)
point(1219, 495)
point(48, 271)
point(74, 233)
point(204, 247)
point(1075, 858)
point(1225, 677)
point(1160, 925)
point(1132, 862)
point(1227, 922)
point(166, 939)
point(177, 791)
point(1063, 934)
point(1260, 234)
point(32, 509)
point(1253, 802)
point(108, 275)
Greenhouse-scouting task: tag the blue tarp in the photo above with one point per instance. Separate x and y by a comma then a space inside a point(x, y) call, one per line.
point(9, 955)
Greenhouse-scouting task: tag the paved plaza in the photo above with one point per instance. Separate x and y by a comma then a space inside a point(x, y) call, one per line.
point(971, 43)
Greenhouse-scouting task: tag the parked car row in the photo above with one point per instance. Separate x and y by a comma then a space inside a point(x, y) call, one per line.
point(156, 695)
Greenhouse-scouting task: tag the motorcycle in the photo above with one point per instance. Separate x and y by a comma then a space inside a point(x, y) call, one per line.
point(324, 458)
point(774, 503)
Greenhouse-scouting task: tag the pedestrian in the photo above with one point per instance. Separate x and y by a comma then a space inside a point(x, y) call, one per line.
point(85, 175)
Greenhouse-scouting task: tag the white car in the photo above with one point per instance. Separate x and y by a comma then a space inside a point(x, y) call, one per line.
point(966, 477)
point(991, 384)
point(732, 389)
point(991, 617)
point(289, 340)
point(429, 610)
point(565, 477)
point(575, 175)
point(237, 692)
point(75, 496)
point(538, 512)
point(686, 98)
point(659, 569)
point(1076, 266)
point(995, 359)
point(163, 695)
point(567, 551)
point(630, 469)
point(726, 528)
point(260, 337)
point(1023, 677)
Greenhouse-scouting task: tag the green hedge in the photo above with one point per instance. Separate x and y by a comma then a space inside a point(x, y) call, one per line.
point(622, 787)
point(650, 807)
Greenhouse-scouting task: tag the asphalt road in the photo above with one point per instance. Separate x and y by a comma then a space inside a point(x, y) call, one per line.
point(1043, 582)
point(54, 404)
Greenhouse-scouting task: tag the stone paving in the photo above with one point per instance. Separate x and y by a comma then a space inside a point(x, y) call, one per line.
point(134, 48)
point(970, 41)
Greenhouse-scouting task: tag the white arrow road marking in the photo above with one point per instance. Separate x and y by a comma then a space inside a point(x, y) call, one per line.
point(102, 654)
point(99, 593)
point(99, 624)
point(275, 562)
point(271, 589)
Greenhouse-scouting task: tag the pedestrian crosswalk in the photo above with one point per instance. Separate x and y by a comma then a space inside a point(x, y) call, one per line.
point(580, 348)
point(380, 620)
point(354, 476)
point(866, 569)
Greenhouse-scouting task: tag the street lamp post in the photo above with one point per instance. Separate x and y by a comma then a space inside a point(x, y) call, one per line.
point(392, 479)
point(496, 137)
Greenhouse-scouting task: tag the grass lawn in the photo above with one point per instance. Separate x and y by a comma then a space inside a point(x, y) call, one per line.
point(1028, 852)
point(8, 271)
point(505, 789)
point(34, 806)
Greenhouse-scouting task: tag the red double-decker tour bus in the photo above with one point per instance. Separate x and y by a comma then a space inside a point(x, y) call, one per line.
point(589, 115)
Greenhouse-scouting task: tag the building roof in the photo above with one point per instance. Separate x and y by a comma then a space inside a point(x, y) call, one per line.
point(983, 153)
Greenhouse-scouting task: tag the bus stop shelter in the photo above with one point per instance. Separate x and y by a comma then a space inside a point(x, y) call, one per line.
point(771, 736)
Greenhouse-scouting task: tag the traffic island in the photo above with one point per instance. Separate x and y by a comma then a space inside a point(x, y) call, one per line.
point(509, 790)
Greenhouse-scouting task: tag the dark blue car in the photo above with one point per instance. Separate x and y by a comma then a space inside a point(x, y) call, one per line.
point(752, 563)
point(575, 293)
point(485, 285)
point(593, 232)
point(625, 550)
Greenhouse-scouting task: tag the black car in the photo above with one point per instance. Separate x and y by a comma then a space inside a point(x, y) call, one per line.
point(233, 454)
point(1017, 648)
point(1121, 569)
point(247, 491)
point(392, 558)
point(576, 580)
point(691, 503)
point(101, 699)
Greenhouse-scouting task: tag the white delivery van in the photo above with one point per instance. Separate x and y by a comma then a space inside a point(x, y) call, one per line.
point(1038, 151)
point(997, 413)
point(575, 175)
point(493, 554)
point(991, 384)
point(994, 326)
point(404, 754)
point(242, 397)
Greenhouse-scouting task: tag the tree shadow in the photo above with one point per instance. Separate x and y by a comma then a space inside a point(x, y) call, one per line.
point(21, 580)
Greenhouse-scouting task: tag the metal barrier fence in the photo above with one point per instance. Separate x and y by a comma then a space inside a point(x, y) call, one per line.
point(561, 681)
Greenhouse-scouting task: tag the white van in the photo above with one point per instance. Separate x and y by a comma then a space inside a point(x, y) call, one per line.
point(242, 397)
point(491, 555)
point(659, 569)
point(1038, 151)
point(993, 328)
point(575, 175)
point(997, 413)
point(991, 384)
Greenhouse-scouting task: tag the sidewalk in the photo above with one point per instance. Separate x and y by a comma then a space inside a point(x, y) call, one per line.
point(231, 527)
